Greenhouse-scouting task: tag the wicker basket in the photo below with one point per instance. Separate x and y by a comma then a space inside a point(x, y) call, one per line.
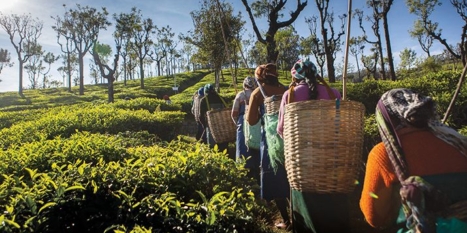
point(221, 125)
point(323, 145)
point(272, 103)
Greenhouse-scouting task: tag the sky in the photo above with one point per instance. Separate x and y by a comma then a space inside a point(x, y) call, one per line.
point(176, 14)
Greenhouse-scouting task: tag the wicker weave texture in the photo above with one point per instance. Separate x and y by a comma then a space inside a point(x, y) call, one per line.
point(221, 125)
point(272, 103)
point(323, 146)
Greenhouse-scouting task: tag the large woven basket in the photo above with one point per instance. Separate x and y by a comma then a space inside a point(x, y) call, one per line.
point(323, 145)
point(221, 125)
point(272, 103)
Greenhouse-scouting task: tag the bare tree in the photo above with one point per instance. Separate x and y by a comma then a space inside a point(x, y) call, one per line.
point(27, 30)
point(271, 10)
point(128, 23)
point(68, 68)
point(423, 38)
point(5, 59)
point(34, 65)
point(82, 25)
point(163, 36)
point(381, 9)
point(48, 58)
point(330, 38)
point(313, 44)
point(142, 42)
point(423, 10)
point(65, 40)
point(370, 61)
point(356, 46)
point(375, 21)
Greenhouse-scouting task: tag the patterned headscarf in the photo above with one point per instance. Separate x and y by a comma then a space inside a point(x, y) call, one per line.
point(301, 69)
point(409, 106)
point(249, 82)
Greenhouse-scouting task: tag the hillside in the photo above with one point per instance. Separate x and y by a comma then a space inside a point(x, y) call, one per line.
point(96, 152)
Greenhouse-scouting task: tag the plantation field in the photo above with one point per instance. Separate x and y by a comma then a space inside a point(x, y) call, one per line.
point(75, 163)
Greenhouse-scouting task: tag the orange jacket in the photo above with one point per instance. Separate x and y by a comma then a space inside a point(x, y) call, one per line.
point(425, 154)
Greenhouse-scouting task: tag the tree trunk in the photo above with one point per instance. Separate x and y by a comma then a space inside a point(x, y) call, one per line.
point(271, 48)
point(20, 89)
point(81, 73)
point(125, 71)
point(392, 73)
point(68, 63)
point(110, 87)
point(381, 58)
point(141, 72)
point(456, 94)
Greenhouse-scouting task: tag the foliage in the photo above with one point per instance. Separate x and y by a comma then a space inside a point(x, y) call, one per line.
point(113, 167)
point(98, 118)
point(272, 11)
point(23, 31)
point(82, 25)
point(155, 87)
point(146, 188)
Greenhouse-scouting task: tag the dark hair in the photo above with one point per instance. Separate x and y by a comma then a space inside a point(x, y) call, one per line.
point(312, 85)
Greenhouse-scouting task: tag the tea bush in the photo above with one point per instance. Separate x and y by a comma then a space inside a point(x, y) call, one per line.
point(100, 167)
point(99, 118)
point(168, 187)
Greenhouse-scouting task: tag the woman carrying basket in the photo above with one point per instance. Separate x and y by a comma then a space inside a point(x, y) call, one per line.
point(420, 163)
point(239, 108)
point(211, 101)
point(274, 184)
point(312, 212)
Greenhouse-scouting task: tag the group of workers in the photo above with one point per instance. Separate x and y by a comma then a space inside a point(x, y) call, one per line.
point(418, 154)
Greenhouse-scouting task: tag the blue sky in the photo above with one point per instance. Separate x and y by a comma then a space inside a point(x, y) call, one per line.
point(176, 14)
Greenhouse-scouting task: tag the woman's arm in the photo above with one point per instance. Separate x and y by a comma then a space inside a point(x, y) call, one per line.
point(235, 108)
point(380, 201)
point(252, 115)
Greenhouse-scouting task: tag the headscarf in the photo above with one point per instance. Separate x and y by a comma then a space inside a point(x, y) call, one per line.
point(266, 71)
point(201, 91)
point(249, 83)
point(399, 108)
point(208, 88)
point(409, 106)
point(303, 69)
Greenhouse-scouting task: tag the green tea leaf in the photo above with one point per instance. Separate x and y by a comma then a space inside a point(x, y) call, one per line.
point(46, 206)
point(74, 188)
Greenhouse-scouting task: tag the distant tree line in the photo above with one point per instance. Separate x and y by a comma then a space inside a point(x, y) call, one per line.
point(218, 41)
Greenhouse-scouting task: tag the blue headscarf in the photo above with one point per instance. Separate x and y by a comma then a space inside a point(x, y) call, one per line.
point(201, 91)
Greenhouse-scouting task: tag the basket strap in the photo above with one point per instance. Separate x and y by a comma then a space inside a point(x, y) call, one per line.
point(246, 100)
point(207, 102)
point(223, 101)
point(328, 88)
point(291, 94)
point(261, 89)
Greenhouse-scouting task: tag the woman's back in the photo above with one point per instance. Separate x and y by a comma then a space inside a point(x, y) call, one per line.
point(427, 155)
